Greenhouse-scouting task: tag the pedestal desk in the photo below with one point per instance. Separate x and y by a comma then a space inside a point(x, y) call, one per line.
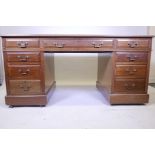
point(123, 66)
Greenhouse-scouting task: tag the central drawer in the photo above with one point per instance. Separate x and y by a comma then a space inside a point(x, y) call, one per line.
point(56, 44)
point(24, 71)
point(79, 44)
point(96, 44)
point(24, 87)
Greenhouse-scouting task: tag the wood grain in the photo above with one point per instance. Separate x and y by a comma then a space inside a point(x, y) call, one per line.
point(123, 66)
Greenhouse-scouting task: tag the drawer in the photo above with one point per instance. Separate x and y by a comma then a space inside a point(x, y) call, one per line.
point(23, 56)
point(24, 87)
point(24, 72)
point(82, 44)
point(129, 85)
point(140, 57)
point(141, 44)
point(21, 43)
point(59, 44)
point(95, 44)
point(131, 71)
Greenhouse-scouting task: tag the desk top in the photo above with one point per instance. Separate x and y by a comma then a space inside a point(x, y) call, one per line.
point(76, 36)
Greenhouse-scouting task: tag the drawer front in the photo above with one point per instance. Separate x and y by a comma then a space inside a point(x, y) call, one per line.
point(81, 44)
point(141, 57)
point(59, 44)
point(96, 44)
point(24, 72)
point(21, 43)
point(131, 71)
point(24, 87)
point(23, 56)
point(131, 44)
point(129, 85)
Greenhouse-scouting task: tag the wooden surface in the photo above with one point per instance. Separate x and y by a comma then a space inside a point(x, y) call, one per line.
point(123, 66)
point(74, 36)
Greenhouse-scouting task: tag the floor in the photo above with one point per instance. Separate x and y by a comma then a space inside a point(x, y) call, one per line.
point(152, 84)
point(78, 107)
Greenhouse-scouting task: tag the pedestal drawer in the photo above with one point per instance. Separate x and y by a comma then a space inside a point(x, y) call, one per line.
point(24, 87)
point(135, 57)
point(129, 85)
point(23, 56)
point(24, 72)
point(131, 71)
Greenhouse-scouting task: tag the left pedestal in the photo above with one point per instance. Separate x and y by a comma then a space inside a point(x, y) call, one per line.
point(29, 81)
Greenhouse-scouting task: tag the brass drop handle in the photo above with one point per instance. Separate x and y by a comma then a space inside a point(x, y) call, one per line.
point(23, 58)
point(25, 86)
point(97, 45)
point(132, 44)
point(131, 71)
point(129, 86)
point(24, 72)
point(22, 44)
point(132, 58)
point(59, 45)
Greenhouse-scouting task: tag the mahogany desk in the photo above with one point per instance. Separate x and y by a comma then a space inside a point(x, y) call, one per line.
point(123, 66)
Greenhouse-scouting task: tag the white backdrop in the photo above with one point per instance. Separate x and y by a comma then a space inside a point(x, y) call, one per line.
point(1, 63)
